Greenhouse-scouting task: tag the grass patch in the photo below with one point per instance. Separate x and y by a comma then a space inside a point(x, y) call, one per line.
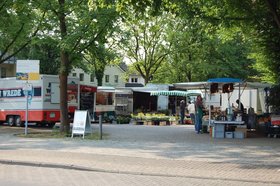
point(57, 134)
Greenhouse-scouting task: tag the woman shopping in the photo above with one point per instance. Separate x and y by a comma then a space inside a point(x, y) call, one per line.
point(198, 114)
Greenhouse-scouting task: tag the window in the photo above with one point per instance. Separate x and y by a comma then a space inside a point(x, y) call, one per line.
point(107, 78)
point(116, 78)
point(134, 80)
point(74, 74)
point(81, 77)
point(104, 98)
point(92, 77)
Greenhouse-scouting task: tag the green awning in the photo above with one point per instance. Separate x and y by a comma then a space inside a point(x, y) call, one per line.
point(174, 93)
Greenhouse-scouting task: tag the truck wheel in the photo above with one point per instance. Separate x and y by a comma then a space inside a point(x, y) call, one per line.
point(18, 121)
point(11, 120)
point(50, 125)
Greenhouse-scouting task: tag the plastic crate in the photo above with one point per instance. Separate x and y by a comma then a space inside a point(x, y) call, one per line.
point(239, 135)
point(218, 134)
point(219, 128)
point(229, 134)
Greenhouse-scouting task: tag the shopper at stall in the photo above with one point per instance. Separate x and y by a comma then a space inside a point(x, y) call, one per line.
point(240, 105)
point(172, 106)
point(198, 113)
point(191, 110)
point(182, 111)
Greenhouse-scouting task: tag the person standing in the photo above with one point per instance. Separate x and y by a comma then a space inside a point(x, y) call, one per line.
point(240, 106)
point(191, 110)
point(182, 111)
point(173, 107)
point(199, 113)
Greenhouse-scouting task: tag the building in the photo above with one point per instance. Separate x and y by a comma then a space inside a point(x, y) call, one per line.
point(113, 76)
point(135, 80)
point(8, 68)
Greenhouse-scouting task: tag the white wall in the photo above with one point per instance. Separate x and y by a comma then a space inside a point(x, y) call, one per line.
point(249, 98)
point(110, 70)
point(140, 79)
point(162, 102)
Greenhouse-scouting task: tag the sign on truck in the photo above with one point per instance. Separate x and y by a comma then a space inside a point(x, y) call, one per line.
point(44, 108)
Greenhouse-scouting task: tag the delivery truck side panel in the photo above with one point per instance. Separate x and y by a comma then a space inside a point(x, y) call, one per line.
point(44, 106)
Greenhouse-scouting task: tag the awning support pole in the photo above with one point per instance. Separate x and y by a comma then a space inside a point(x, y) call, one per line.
point(209, 105)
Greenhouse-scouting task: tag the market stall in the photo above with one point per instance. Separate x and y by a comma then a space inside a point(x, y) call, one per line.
point(187, 97)
point(223, 125)
point(221, 107)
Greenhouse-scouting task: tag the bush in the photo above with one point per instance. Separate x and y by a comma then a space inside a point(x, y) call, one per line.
point(165, 112)
point(123, 119)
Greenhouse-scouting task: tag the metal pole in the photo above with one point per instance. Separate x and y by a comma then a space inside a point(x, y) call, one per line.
point(26, 113)
point(100, 127)
point(239, 92)
point(209, 105)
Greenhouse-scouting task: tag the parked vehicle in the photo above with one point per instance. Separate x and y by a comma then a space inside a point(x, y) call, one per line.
point(105, 103)
point(44, 100)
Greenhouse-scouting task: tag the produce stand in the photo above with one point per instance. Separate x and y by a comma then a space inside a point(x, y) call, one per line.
point(220, 103)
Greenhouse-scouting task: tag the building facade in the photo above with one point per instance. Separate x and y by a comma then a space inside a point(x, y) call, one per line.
point(113, 76)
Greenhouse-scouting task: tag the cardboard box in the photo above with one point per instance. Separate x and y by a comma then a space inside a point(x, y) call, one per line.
point(244, 130)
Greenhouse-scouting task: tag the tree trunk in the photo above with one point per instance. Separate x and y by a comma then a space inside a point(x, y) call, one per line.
point(99, 77)
point(64, 120)
point(64, 66)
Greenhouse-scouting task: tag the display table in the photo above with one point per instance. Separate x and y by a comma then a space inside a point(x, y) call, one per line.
point(219, 129)
point(228, 122)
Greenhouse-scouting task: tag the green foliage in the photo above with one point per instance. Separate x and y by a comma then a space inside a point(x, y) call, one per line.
point(46, 50)
point(144, 41)
point(20, 23)
point(197, 55)
point(123, 119)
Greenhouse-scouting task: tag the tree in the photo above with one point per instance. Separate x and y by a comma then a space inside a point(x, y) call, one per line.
point(144, 41)
point(200, 52)
point(97, 58)
point(259, 20)
point(75, 26)
point(102, 52)
point(21, 23)
point(46, 50)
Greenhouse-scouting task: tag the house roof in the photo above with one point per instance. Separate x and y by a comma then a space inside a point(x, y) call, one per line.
point(123, 66)
point(134, 85)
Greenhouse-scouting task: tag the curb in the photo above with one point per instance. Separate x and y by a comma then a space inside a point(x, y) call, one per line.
point(82, 168)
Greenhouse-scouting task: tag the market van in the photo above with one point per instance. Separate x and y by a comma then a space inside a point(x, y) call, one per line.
point(43, 100)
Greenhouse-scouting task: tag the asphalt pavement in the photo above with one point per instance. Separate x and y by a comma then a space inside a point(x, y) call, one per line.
point(174, 152)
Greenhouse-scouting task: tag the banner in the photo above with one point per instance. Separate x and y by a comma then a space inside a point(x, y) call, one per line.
point(28, 70)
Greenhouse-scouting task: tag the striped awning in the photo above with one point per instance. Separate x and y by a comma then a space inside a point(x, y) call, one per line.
point(173, 93)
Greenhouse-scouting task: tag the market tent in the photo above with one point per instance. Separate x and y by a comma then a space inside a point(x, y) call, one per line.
point(222, 81)
point(175, 93)
point(191, 85)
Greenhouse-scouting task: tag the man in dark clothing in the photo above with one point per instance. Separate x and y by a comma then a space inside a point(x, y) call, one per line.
point(182, 111)
point(240, 106)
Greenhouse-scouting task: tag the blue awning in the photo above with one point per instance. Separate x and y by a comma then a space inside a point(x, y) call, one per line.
point(224, 80)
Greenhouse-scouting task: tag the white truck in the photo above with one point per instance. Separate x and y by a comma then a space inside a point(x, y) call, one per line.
point(43, 108)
